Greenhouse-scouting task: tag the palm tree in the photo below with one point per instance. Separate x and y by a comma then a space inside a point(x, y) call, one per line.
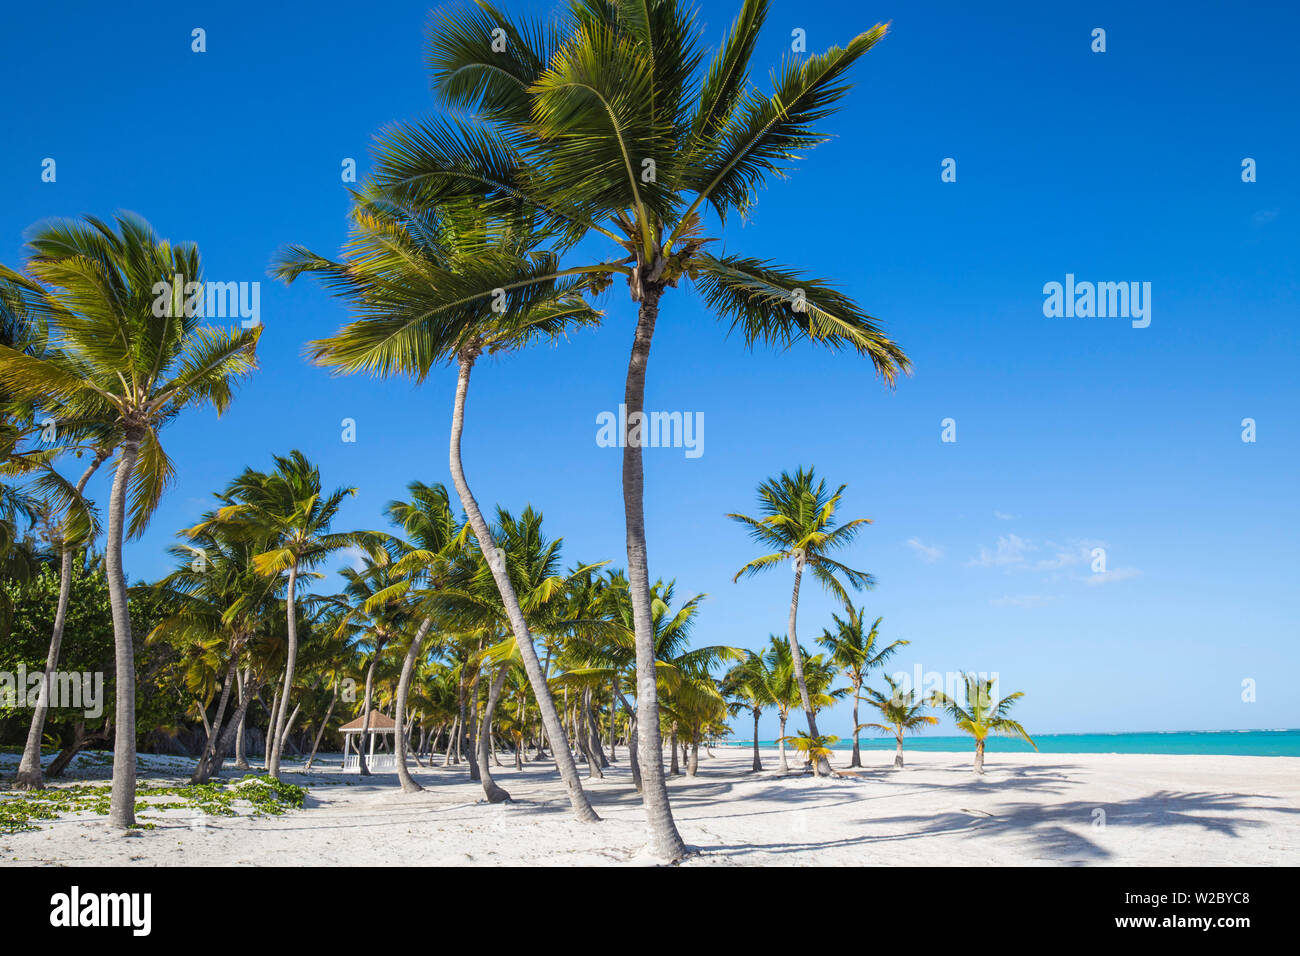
point(853, 650)
point(798, 522)
point(288, 509)
point(443, 285)
point(117, 356)
point(983, 714)
point(900, 713)
point(816, 749)
point(608, 122)
point(751, 682)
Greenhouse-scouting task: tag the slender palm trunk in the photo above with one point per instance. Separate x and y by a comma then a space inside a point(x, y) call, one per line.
point(785, 764)
point(202, 770)
point(451, 740)
point(979, 756)
point(329, 712)
point(362, 769)
point(29, 768)
point(758, 764)
point(241, 740)
point(674, 767)
point(898, 754)
point(821, 766)
point(665, 841)
point(527, 651)
point(493, 792)
point(270, 727)
point(693, 761)
point(404, 688)
point(121, 812)
point(857, 753)
point(291, 657)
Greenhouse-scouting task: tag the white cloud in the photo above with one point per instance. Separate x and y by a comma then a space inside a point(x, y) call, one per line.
point(1106, 577)
point(927, 553)
point(1003, 516)
point(1011, 552)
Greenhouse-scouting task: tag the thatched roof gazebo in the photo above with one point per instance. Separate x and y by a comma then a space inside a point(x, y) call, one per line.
point(379, 724)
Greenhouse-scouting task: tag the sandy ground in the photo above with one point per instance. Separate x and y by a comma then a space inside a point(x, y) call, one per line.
point(1029, 809)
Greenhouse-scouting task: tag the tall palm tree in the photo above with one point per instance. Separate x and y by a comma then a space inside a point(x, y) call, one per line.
point(983, 714)
point(609, 122)
point(448, 285)
point(900, 712)
point(853, 649)
point(289, 510)
point(115, 354)
point(798, 523)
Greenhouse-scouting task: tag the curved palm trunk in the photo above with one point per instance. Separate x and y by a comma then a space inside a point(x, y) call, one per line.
point(821, 766)
point(29, 768)
point(241, 739)
point(291, 657)
point(665, 841)
point(329, 712)
point(758, 764)
point(404, 688)
point(364, 737)
point(122, 802)
point(979, 756)
point(527, 651)
point(493, 792)
point(202, 770)
point(898, 754)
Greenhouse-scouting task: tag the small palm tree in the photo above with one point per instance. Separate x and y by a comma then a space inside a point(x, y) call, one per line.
point(126, 352)
point(751, 682)
point(983, 714)
point(900, 712)
point(816, 749)
point(798, 523)
point(855, 651)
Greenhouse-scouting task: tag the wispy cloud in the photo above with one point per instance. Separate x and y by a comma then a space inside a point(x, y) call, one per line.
point(1011, 551)
point(927, 553)
point(1003, 516)
point(1107, 577)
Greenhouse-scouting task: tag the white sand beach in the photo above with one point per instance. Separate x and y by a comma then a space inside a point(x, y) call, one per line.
point(1029, 809)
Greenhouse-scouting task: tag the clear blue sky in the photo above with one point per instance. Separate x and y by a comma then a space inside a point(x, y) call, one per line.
point(1072, 433)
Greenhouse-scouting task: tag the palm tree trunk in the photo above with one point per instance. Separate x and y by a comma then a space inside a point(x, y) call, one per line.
point(979, 756)
point(329, 712)
point(404, 688)
point(675, 768)
point(898, 754)
point(758, 764)
point(494, 793)
point(451, 740)
point(241, 741)
point(362, 769)
point(633, 762)
point(857, 753)
point(121, 812)
point(527, 651)
point(270, 727)
point(821, 766)
point(291, 656)
point(201, 772)
point(693, 761)
point(665, 841)
point(29, 768)
point(785, 765)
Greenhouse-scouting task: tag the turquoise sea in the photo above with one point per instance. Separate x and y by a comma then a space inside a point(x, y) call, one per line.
point(1246, 743)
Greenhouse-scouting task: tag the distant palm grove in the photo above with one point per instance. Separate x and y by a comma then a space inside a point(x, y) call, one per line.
point(462, 622)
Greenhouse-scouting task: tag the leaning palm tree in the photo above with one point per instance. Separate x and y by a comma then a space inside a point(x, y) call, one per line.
point(127, 340)
point(609, 122)
point(798, 523)
point(442, 285)
point(854, 650)
point(983, 714)
point(289, 510)
point(900, 712)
